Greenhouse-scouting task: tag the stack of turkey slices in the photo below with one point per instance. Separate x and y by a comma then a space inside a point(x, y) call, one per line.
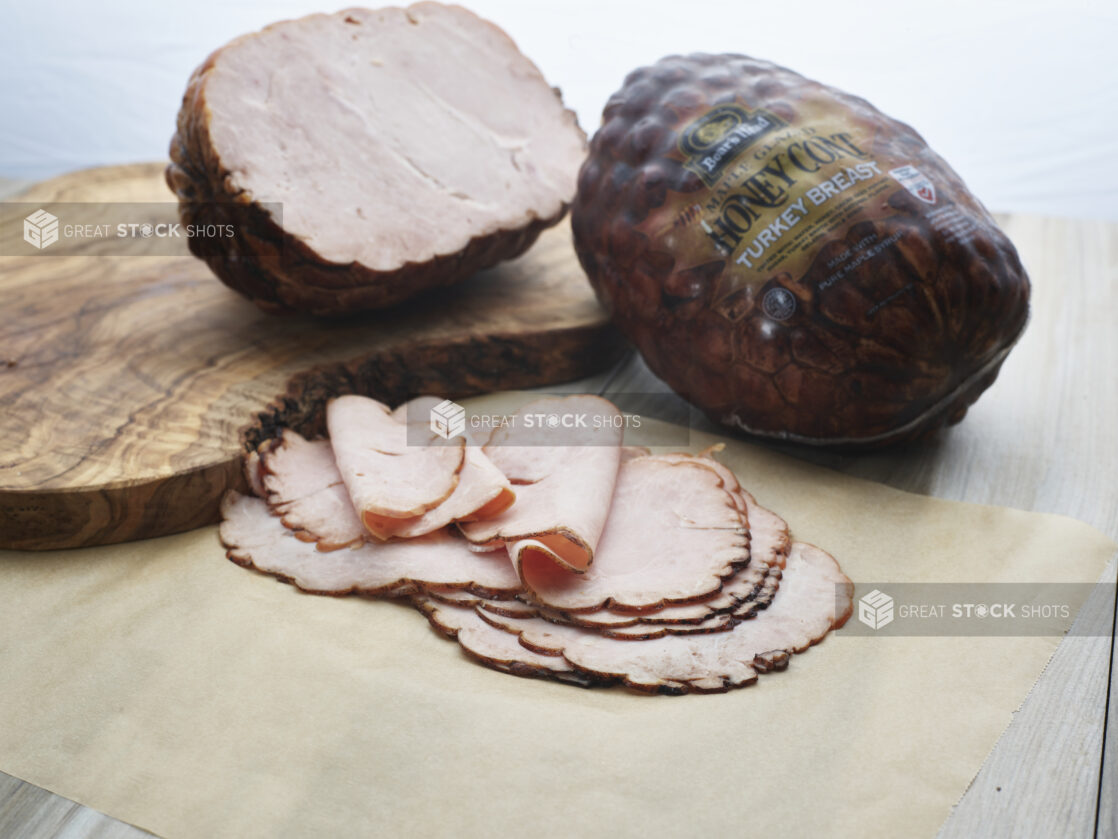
point(578, 559)
point(366, 156)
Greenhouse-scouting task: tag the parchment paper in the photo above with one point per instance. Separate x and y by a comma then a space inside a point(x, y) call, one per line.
point(161, 684)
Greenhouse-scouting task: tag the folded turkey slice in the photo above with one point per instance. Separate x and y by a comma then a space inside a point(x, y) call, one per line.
point(562, 456)
point(814, 597)
point(674, 535)
point(403, 479)
point(256, 538)
point(304, 487)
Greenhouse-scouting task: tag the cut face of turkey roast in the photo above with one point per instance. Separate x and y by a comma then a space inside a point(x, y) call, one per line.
point(369, 155)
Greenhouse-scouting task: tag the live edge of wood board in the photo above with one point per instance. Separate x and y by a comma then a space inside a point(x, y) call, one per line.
point(130, 386)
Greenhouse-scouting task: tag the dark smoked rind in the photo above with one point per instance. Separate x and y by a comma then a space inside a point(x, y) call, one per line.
point(829, 377)
point(279, 272)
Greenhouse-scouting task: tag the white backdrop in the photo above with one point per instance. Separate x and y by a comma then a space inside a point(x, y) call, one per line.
point(1020, 97)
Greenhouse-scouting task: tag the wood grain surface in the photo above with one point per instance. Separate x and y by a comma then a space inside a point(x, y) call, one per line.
point(1041, 439)
point(126, 380)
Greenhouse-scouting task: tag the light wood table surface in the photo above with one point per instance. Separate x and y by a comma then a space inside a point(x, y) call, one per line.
point(1044, 438)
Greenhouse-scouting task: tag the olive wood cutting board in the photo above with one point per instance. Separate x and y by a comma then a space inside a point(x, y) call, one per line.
point(131, 385)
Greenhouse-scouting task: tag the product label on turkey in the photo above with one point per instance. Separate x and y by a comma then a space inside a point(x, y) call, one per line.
point(778, 202)
point(775, 191)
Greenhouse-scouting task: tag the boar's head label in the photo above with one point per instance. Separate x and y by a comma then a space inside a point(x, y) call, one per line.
point(714, 140)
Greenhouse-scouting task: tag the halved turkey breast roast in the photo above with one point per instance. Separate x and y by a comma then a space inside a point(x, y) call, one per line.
point(365, 156)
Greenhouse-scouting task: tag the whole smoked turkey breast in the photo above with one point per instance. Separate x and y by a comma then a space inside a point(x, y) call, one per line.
point(791, 260)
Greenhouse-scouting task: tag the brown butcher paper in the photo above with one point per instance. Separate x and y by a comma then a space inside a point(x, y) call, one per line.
point(160, 683)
